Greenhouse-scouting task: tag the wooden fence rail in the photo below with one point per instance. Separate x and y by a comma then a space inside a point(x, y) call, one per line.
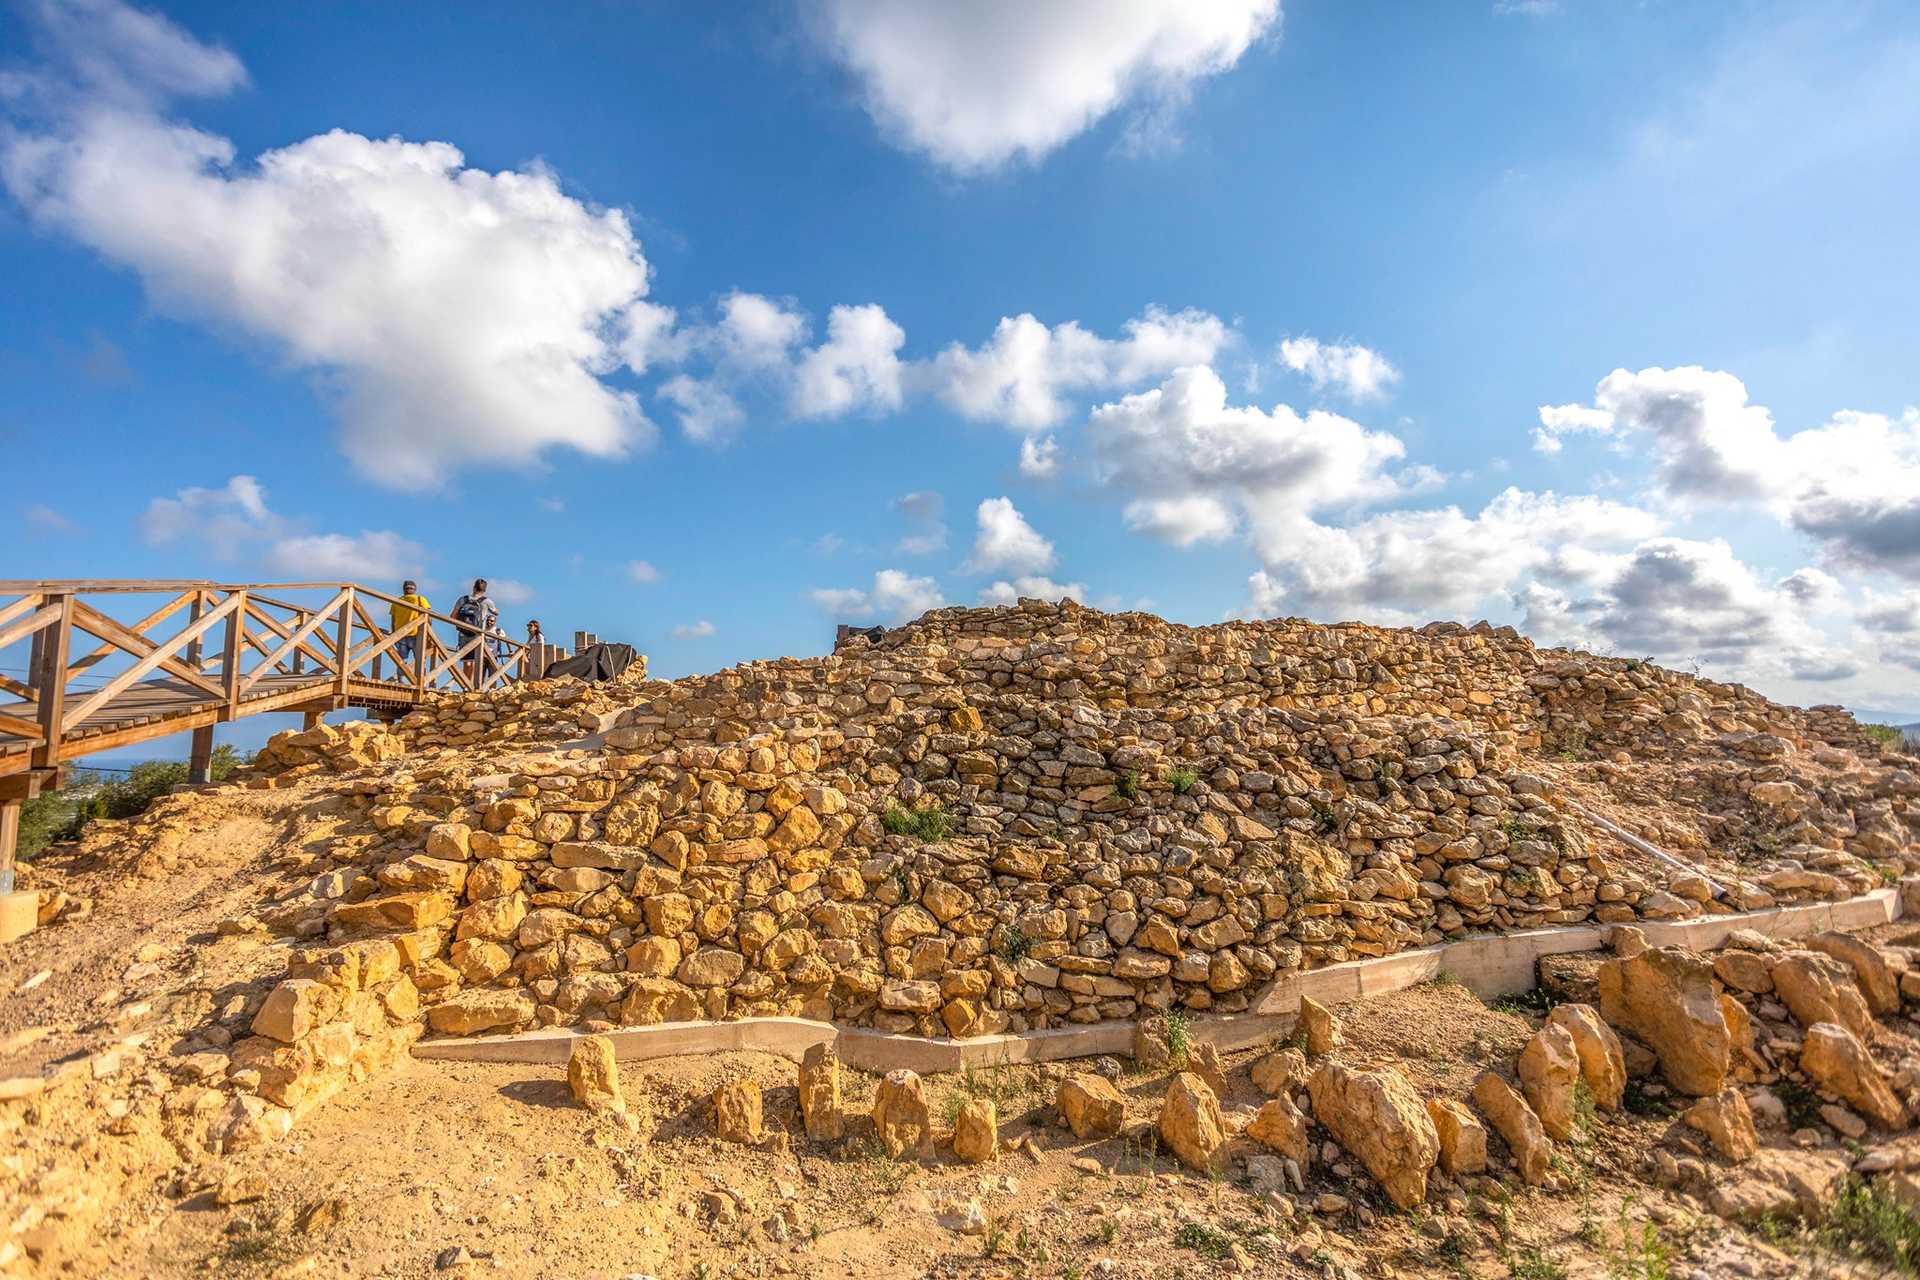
point(207, 654)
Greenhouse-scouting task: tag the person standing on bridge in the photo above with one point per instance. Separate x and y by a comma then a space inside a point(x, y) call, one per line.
point(478, 617)
point(410, 606)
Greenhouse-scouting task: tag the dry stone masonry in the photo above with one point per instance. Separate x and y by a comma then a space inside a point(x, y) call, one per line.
point(1004, 820)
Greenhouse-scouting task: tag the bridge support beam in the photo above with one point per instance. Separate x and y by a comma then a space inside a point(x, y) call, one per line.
point(19, 910)
point(200, 761)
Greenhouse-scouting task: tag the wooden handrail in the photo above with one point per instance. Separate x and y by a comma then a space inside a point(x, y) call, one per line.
point(139, 669)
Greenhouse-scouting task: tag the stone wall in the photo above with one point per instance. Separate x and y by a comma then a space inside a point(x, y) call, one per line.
point(1004, 820)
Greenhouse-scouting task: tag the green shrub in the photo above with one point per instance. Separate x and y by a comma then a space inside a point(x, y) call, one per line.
point(1129, 785)
point(1181, 779)
point(57, 816)
point(1867, 1223)
point(1884, 735)
point(1179, 1038)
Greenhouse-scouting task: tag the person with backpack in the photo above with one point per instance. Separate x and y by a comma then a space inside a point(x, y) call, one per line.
point(477, 615)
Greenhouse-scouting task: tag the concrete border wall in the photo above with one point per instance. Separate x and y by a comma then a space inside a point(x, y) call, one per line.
point(1491, 966)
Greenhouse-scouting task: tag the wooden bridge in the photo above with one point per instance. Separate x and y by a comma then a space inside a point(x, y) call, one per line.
point(105, 667)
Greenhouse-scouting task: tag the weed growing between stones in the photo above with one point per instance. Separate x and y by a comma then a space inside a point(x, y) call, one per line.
point(1012, 944)
point(1179, 1038)
point(927, 823)
point(1182, 779)
point(1129, 785)
point(1204, 1240)
point(1867, 1223)
point(1641, 1252)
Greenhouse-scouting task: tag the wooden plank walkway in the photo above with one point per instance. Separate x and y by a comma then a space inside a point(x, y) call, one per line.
point(106, 671)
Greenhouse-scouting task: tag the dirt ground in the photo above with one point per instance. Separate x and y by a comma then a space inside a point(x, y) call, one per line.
point(455, 1170)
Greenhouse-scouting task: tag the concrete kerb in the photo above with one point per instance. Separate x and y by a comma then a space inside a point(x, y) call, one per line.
point(1492, 966)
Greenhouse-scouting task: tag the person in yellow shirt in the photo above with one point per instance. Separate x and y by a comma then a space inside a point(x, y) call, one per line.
point(409, 606)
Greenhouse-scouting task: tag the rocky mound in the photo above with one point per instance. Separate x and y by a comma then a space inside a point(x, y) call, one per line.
point(1011, 819)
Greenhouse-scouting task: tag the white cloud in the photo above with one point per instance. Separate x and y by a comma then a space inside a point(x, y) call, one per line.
point(1032, 587)
point(756, 332)
point(857, 367)
point(693, 630)
point(926, 511)
point(510, 591)
point(1023, 374)
point(1186, 458)
point(1006, 542)
point(1852, 484)
point(641, 572)
point(1357, 372)
point(221, 518)
point(373, 556)
point(974, 86)
point(895, 596)
point(707, 413)
point(1182, 521)
point(462, 316)
point(1039, 457)
point(42, 519)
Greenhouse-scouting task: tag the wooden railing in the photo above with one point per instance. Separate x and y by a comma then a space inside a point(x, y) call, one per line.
point(222, 648)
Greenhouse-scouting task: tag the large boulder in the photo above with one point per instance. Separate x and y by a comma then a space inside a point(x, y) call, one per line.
point(1514, 1121)
point(1463, 1139)
point(1665, 996)
point(819, 1089)
point(737, 1112)
point(482, 1010)
point(1281, 1125)
point(1833, 1057)
point(1728, 1122)
point(900, 1117)
point(1190, 1122)
point(1092, 1106)
point(1280, 1071)
point(1320, 1027)
point(593, 1075)
point(1878, 982)
point(1602, 1063)
point(1818, 988)
point(976, 1131)
point(1375, 1114)
point(1549, 1068)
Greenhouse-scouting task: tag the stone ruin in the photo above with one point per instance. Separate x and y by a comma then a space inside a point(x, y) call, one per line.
point(1011, 819)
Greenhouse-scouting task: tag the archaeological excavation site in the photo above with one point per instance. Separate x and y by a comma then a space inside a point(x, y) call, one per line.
point(1029, 941)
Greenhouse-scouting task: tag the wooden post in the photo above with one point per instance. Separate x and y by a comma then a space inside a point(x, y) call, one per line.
point(236, 635)
point(343, 645)
point(311, 719)
point(194, 649)
point(9, 838)
point(50, 684)
point(200, 762)
point(421, 625)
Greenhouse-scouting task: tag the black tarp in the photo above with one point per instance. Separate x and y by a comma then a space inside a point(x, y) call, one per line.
point(595, 662)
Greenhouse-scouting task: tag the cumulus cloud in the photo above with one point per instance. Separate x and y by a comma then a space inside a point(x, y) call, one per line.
point(895, 596)
point(1032, 587)
point(707, 412)
point(1023, 374)
point(925, 511)
point(1039, 457)
point(1354, 371)
point(642, 573)
point(1006, 542)
point(857, 367)
point(1055, 68)
point(459, 316)
point(375, 555)
point(1851, 484)
point(1188, 458)
point(693, 630)
point(223, 519)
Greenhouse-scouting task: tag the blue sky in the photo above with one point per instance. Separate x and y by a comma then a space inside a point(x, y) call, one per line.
point(708, 330)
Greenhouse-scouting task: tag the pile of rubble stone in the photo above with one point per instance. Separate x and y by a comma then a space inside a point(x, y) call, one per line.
point(1002, 820)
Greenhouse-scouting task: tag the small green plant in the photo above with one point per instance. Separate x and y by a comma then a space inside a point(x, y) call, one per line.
point(1583, 1110)
point(1204, 1240)
point(1070, 1272)
point(1182, 778)
point(1179, 1038)
point(1569, 743)
point(1535, 1001)
point(1884, 735)
point(1443, 979)
point(1867, 1223)
point(1535, 1263)
point(995, 1234)
point(1129, 785)
point(927, 823)
point(1642, 1254)
point(1325, 820)
point(1802, 1104)
point(1011, 943)
point(1639, 1102)
point(1023, 1244)
point(1106, 1232)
